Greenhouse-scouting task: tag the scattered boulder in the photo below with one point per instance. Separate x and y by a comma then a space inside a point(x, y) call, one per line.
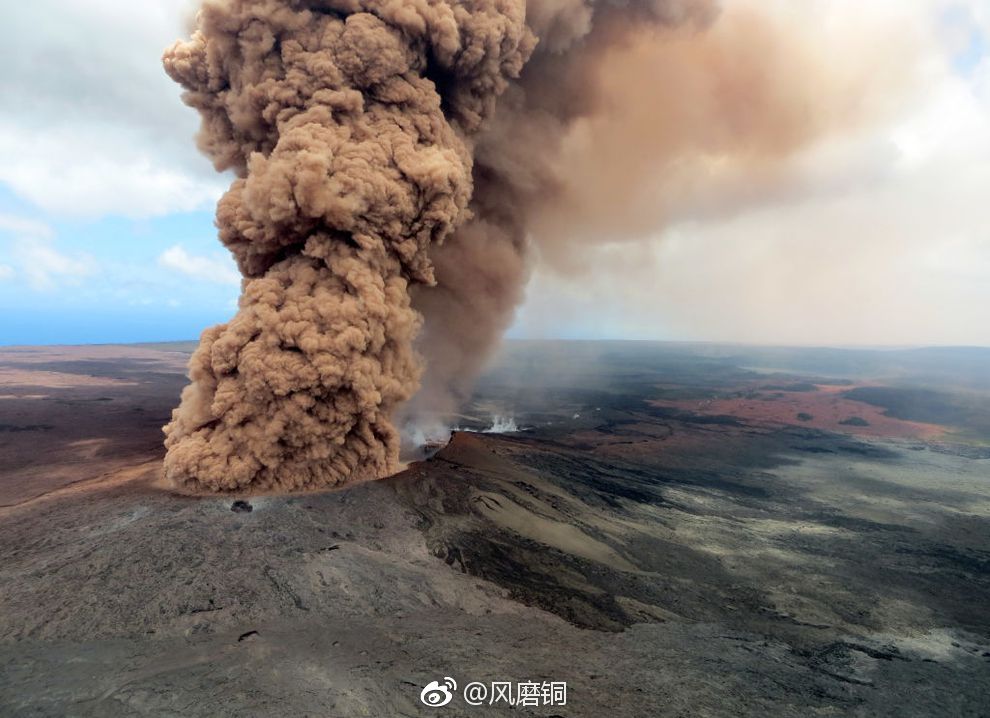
point(241, 507)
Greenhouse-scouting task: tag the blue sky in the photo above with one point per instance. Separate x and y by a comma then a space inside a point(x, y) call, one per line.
point(109, 278)
point(106, 207)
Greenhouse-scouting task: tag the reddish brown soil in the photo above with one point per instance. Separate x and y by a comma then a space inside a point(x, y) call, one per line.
point(826, 406)
point(80, 416)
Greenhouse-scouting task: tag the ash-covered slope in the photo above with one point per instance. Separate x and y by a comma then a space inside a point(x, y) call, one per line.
point(132, 601)
point(660, 563)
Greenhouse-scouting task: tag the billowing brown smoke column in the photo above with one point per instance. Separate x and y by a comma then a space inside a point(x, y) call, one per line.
point(396, 159)
point(347, 124)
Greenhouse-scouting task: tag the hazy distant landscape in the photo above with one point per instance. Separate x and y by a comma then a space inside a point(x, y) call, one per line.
point(673, 529)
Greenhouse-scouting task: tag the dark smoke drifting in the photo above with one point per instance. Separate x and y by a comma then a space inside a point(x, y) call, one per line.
point(630, 116)
point(482, 271)
point(398, 161)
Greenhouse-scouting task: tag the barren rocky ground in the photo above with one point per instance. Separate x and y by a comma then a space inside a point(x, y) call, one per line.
point(662, 558)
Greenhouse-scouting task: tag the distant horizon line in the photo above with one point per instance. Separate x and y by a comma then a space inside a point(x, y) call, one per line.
point(585, 340)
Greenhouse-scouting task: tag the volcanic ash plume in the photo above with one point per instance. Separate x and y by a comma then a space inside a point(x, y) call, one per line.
point(348, 123)
point(397, 163)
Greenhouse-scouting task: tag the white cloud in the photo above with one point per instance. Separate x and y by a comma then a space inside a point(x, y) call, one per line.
point(90, 124)
point(37, 259)
point(24, 227)
point(217, 269)
point(98, 179)
point(6, 271)
point(44, 266)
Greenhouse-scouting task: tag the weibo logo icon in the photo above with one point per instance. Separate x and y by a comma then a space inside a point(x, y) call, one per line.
point(436, 694)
